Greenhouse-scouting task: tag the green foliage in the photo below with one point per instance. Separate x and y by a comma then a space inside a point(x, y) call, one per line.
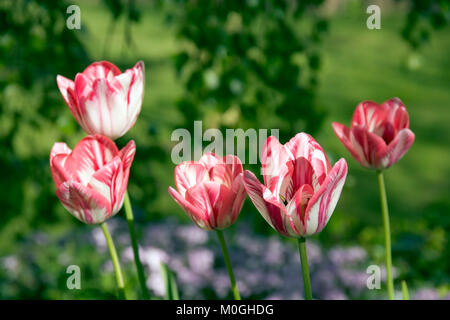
point(170, 283)
point(247, 63)
point(35, 46)
point(423, 17)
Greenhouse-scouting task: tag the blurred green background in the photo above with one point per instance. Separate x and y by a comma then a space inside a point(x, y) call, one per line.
point(292, 65)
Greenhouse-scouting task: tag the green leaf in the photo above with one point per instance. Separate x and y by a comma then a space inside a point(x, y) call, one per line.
point(170, 283)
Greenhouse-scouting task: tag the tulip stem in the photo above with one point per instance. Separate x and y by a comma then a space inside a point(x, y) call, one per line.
point(305, 268)
point(115, 261)
point(387, 234)
point(134, 244)
point(226, 256)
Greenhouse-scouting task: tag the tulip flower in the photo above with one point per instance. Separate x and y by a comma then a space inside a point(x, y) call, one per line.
point(211, 192)
point(379, 135)
point(91, 180)
point(300, 190)
point(103, 100)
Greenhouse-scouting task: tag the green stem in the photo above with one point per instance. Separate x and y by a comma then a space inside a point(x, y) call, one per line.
point(134, 244)
point(226, 256)
point(305, 268)
point(405, 293)
point(115, 261)
point(387, 234)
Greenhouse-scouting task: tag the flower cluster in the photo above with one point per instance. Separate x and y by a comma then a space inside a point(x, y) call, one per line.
point(92, 179)
point(297, 198)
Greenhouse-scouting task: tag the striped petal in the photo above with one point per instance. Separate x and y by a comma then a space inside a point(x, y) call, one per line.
point(83, 203)
point(88, 156)
point(67, 89)
point(274, 155)
point(126, 154)
point(104, 110)
point(209, 160)
point(343, 134)
point(59, 152)
point(395, 150)
point(189, 174)
point(323, 202)
point(271, 210)
point(194, 213)
point(367, 145)
point(234, 165)
point(396, 114)
point(300, 174)
point(296, 209)
point(132, 82)
point(304, 146)
point(371, 116)
point(240, 194)
point(215, 201)
point(109, 182)
point(100, 70)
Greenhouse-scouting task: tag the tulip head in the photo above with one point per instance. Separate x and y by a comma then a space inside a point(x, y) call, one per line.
point(379, 134)
point(92, 179)
point(300, 189)
point(103, 100)
point(210, 190)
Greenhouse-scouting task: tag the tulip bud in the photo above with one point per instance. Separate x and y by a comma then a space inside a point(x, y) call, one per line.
point(210, 190)
point(103, 100)
point(379, 135)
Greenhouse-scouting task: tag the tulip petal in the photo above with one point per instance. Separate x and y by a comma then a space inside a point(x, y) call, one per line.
point(273, 156)
point(209, 160)
point(194, 213)
point(85, 204)
point(367, 145)
point(343, 134)
point(272, 211)
point(302, 145)
point(100, 69)
point(59, 148)
point(132, 83)
point(127, 155)
point(88, 156)
point(109, 182)
point(371, 116)
point(189, 174)
point(67, 89)
point(215, 201)
point(303, 173)
point(220, 174)
point(59, 152)
point(323, 202)
point(396, 149)
point(240, 194)
point(234, 165)
point(396, 113)
point(297, 207)
point(104, 109)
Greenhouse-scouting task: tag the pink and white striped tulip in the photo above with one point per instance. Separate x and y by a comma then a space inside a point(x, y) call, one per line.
point(92, 179)
point(300, 189)
point(103, 100)
point(210, 190)
point(379, 135)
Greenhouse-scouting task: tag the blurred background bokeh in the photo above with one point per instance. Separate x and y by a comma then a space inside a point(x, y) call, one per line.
point(286, 64)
